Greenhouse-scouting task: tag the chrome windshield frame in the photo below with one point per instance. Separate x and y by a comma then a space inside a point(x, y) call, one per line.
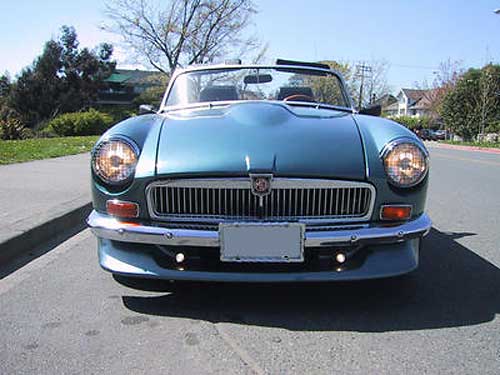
point(199, 68)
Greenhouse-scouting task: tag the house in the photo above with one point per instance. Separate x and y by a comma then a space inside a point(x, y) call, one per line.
point(387, 102)
point(124, 85)
point(411, 102)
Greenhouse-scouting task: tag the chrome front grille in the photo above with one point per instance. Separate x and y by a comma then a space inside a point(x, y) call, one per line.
point(230, 199)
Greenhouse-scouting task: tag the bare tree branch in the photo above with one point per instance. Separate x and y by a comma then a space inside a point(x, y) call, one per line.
point(172, 33)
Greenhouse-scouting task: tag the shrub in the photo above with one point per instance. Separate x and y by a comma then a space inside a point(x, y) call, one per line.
point(119, 113)
point(12, 128)
point(152, 96)
point(11, 125)
point(493, 127)
point(90, 122)
point(411, 123)
point(414, 123)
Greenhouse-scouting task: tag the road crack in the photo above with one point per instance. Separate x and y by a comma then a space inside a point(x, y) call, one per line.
point(240, 351)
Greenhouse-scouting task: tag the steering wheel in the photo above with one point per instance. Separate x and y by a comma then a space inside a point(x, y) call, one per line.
point(299, 97)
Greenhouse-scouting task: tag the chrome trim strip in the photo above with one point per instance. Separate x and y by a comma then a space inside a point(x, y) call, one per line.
point(178, 72)
point(276, 183)
point(108, 227)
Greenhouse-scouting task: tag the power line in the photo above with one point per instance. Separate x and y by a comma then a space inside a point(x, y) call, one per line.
point(415, 66)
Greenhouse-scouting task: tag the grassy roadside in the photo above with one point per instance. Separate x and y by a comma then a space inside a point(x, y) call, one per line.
point(475, 144)
point(43, 148)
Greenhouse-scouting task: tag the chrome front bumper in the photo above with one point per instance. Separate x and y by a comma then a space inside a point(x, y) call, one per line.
point(107, 227)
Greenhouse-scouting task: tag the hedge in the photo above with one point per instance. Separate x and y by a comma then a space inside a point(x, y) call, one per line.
point(91, 122)
point(413, 123)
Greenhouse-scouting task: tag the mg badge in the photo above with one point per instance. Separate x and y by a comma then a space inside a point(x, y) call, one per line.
point(261, 184)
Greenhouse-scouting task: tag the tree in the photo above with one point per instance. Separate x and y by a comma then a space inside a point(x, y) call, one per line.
point(64, 78)
point(375, 83)
point(473, 104)
point(489, 101)
point(328, 90)
point(374, 80)
point(173, 33)
point(445, 79)
point(153, 94)
point(5, 86)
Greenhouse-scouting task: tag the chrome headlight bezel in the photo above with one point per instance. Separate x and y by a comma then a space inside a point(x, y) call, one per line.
point(99, 147)
point(391, 146)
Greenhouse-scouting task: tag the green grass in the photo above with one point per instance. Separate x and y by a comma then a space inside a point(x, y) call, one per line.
point(476, 144)
point(43, 148)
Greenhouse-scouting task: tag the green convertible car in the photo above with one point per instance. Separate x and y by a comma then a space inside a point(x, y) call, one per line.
point(255, 173)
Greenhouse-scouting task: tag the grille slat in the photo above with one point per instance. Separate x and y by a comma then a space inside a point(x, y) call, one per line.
point(238, 201)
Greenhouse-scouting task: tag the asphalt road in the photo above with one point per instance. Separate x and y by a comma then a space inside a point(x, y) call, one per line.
point(62, 314)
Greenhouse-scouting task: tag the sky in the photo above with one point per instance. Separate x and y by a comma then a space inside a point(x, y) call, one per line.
point(414, 37)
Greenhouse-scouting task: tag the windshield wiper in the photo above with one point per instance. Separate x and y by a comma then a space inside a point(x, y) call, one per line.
point(196, 105)
point(319, 105)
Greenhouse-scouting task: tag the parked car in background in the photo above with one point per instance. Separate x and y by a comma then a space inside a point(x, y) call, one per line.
point(259, 174)
point(440, 135)
point(425, 134)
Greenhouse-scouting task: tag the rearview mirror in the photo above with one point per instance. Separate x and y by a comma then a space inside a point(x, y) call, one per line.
point(257, 78)
point(146, 109)
point(372, 110)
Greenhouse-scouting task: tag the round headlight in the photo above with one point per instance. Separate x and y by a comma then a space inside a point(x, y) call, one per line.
point(114, 160)
point(406, 162)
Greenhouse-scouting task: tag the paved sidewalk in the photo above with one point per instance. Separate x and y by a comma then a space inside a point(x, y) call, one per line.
point(488, 150)
point(37, 193)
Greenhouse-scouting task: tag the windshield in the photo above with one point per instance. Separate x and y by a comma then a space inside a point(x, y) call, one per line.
point(283, 84)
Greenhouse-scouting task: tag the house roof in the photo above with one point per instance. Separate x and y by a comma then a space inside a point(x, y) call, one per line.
point(132, 77)
point(392, 107)
point(426, 99)
point(386, 100)
point(414, 94)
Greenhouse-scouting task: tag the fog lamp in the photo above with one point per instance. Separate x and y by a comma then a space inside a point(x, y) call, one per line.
point(340, 258)
point(179, 257)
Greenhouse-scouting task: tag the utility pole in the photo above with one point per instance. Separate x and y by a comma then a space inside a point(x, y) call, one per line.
point(363, 71)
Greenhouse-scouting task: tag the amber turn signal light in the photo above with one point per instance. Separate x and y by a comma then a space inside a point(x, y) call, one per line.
point(122, 209)
point(396, 212)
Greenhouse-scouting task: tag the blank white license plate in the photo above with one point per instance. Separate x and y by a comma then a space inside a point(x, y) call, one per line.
point(262, 242)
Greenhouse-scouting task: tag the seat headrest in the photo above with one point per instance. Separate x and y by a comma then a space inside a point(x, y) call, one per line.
point(298, 90)
point(218, 93)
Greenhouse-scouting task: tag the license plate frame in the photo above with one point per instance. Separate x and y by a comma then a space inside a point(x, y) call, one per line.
point(262, 242)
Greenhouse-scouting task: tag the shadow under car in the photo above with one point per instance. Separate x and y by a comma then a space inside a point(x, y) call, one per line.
point(452, 287)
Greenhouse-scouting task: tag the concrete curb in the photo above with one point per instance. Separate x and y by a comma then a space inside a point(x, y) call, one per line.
point(488, 150)
point(24, 243)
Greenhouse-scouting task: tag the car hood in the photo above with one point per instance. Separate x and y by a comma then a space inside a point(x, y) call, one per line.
point(261, 138)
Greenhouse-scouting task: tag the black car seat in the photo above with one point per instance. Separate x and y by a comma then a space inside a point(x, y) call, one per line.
point(285, 92)
point(218, 93)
